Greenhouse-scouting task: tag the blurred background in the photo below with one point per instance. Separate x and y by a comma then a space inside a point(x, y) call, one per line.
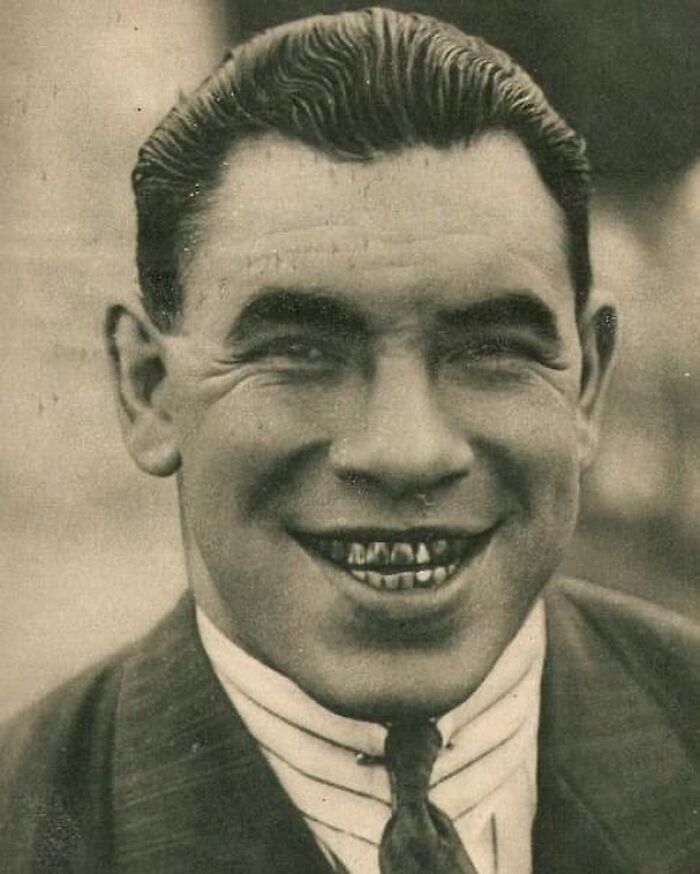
point(90, 547)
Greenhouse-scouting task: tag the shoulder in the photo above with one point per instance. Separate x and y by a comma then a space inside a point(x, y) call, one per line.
point(59, 723)
point(79, 715)
point(57, 757)
point(595, 633)
point(52, 756)
point(647, 635)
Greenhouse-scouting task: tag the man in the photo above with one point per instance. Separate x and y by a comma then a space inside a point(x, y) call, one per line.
point(372, 356)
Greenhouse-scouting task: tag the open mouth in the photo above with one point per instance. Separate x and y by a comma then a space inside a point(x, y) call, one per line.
point(404, 561)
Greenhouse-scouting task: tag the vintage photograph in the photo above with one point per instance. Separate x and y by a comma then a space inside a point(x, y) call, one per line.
point(350, 457)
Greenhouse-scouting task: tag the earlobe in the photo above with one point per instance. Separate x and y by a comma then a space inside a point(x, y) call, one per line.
point(138, 376)
point(598, 330)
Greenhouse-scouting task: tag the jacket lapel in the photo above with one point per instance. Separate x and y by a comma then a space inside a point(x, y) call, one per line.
point(192, 792)
point(617, 779)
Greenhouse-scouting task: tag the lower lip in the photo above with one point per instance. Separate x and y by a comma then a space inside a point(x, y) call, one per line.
point(402, 605)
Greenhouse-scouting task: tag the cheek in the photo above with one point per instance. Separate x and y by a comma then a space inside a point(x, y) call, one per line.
point(529, 454)
point(529, 442)
point(242, 451)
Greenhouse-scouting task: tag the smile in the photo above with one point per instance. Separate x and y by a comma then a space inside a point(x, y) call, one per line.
point(404, 561)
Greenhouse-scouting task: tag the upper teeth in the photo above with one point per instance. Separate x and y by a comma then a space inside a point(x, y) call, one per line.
point(385, 554)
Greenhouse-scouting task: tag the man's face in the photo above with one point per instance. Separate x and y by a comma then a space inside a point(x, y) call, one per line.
point(375, 390)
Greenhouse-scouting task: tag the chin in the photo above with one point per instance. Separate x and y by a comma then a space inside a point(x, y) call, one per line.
point(418, 691)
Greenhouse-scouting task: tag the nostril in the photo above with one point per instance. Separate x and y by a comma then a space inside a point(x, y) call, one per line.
point(452, 478)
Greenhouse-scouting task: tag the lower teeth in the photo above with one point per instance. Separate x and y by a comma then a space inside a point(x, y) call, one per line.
point(423, 579)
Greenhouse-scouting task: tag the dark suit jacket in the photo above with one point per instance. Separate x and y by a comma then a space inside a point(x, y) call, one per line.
point(142, 765)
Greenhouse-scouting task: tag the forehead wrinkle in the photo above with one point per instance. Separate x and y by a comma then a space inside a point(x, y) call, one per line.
point(383, 249)
point(239, 238)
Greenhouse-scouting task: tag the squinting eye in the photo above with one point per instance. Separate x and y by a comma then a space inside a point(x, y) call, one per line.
point(488, 350)
point(303, 352)
point(476, 351)
point(300, 353)
point(295, 354)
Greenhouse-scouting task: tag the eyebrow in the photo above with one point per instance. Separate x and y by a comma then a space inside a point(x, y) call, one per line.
point(309, 308)
point(516, 309)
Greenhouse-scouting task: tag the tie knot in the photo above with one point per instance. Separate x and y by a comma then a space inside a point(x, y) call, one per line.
point(410, 751)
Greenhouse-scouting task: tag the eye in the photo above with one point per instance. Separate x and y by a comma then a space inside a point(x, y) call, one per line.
point(475, 350)
point(303, 352)
point(294, 354)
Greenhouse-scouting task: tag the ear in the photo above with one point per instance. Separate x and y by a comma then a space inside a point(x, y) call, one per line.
point(139, 375)
point(598, 332)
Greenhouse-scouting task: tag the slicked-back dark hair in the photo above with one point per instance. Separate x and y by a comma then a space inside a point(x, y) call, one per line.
point(355, 86)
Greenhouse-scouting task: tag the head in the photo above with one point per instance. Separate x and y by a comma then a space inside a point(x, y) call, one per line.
point(370, 351)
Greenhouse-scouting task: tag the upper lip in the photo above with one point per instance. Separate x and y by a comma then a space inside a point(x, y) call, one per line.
point(363, 533)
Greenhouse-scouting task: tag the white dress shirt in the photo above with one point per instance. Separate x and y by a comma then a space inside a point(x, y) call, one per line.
point(484, 778)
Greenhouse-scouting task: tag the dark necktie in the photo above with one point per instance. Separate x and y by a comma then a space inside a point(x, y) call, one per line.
point(419, 838)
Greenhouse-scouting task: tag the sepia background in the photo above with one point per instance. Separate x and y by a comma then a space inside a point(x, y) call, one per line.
point(90, 547)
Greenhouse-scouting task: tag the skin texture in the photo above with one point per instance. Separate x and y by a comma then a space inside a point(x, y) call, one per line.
point(410, 406)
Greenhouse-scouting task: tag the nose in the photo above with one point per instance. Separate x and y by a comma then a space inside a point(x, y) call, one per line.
point(404, 442)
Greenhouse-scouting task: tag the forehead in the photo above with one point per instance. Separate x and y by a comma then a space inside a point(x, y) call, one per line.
point(469, 216)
